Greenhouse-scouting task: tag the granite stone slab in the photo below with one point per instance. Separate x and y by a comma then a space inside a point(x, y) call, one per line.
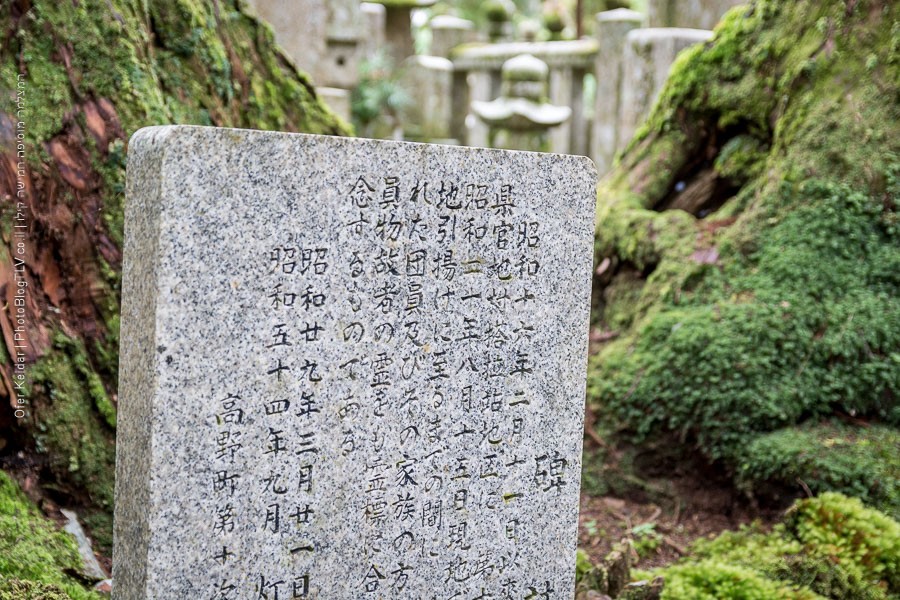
point(350, 369)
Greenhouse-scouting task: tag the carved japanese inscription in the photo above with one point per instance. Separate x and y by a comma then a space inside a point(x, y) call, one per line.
point(350, 369)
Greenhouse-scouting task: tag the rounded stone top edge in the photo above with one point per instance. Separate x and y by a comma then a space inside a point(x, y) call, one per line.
point(480, 50)
point(405, 3)
point(619, 14)
point(450, 22)
point(664, 33)
point(169, 133)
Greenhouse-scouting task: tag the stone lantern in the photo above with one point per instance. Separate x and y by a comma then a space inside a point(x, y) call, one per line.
point(522, 116)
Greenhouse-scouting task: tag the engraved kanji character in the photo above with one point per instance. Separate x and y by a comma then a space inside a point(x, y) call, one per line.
point(372, 579)
point(391, 193)
point(275, 442)
point(230, 414)
point(311, 298)
point(400, 577)
point(273, 518)
point(222, 557)
point(308, 371)
point(310, 333)
point(476, 196)
point(277, 369)
point(280, 336)
point(305, 478)
point(504, 202)
point(473, 230)
point(404, 506)
point(276, 407)
point(268, 590)
point(308, 405)
point(448, 196)
point(225, 481)
point(302, 515)
point(361, 194)
point(224, 522)
point(272, 484)
point(432, 512)
point(307, 444)
point(446, 228)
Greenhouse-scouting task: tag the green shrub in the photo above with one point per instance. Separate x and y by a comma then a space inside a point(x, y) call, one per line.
point(860, 462)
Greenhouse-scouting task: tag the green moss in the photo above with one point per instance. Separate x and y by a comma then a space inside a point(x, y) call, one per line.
point(712, 580)
point(861, 540)
point(860, 462)
point(829, 547)
point(74, 421)
point(799, 316)
point(35, 557)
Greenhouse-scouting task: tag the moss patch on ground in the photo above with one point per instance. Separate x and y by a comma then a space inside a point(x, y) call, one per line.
point(830, 546)
point(36, 559)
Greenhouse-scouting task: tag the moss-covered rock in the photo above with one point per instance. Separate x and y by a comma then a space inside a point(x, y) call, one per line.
point(752, 234)
point(36, 559)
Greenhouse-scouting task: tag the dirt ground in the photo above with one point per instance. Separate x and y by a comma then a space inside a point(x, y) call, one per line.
point(663, 532)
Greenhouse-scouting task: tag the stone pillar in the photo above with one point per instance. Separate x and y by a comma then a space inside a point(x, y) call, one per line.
point(345, 28)
point(374, 20)
point(338, 100)
point(480, 90)
point(611, 29)
point(561, 95)
point(301, 29)
point(699, 14)
point(448, 32)
point(398, 27)
point(459, 107)
point(649, 54)
point(427, 80)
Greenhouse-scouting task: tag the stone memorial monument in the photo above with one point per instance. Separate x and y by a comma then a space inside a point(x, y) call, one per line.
point(350, 368)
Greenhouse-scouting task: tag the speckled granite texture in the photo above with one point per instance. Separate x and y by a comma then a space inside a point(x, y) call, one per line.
point(350, 369)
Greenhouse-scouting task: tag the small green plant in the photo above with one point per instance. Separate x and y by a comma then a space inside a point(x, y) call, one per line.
point(646, 539)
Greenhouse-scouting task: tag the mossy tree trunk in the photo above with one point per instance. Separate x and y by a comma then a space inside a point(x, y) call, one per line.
point(748, 241)
point(88, 73)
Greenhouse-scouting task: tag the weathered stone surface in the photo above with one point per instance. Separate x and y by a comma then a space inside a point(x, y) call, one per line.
point(610, 31)
point(649, 54)
point(322, 38)
point(448, 32)
point(350, 368)
point(427, 80)
point(696, 14)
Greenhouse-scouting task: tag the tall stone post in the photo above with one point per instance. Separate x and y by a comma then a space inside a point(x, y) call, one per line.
point(611, 29)
point(649, 54)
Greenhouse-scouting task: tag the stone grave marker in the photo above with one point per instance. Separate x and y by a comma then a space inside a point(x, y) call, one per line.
point(350, 369)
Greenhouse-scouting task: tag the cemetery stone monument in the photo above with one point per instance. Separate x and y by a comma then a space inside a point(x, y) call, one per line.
point(350, 368)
